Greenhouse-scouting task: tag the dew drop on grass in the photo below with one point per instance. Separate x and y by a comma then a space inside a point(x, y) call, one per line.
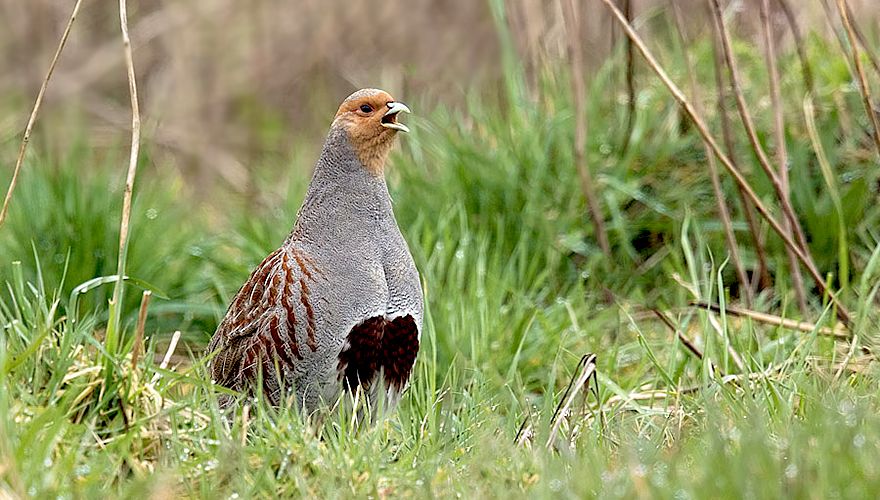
point(734, 435)
point(658, 478)
point(152, 213)
point(847, 410)
point(459, 254)
point(859, 440)
point(47, 462)
point(791, 471)
point(555, 485)
point(640, 470)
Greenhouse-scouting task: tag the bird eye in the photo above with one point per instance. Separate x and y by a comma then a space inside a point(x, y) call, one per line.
point(366, 108)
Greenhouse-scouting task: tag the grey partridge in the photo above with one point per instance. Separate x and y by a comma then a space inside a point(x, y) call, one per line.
point(339, 305)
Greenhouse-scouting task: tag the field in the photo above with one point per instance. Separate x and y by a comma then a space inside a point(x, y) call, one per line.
point(664, 365)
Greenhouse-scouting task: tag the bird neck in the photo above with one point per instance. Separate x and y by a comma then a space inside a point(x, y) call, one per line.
point(342, 191)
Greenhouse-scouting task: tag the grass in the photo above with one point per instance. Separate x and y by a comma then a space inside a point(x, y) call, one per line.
point(517, 292)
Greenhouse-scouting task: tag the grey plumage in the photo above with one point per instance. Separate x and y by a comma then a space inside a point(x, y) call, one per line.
point(319, 306)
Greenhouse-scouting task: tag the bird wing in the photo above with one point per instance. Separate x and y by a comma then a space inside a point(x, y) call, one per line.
point(261, 325)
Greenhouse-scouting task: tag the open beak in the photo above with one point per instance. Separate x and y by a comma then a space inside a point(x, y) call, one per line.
point(389, 119)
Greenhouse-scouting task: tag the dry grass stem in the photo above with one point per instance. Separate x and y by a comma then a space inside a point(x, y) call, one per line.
point(849, 355)
point(752, 134)
point(866, 47)
point(524, 434)
point(838, 331)
point(576, 385)
point(761, 278)
point(34, 111)
point(630, 81)
point(723, 212)
point(132, 164)
point(843, 10)
point(172, 346)
point(245, 422)
point(798, 44)
point(578, 88)
point(829, 17)
point(797, 279)
point(681, 336)
point(842, 311)
point(138, 346)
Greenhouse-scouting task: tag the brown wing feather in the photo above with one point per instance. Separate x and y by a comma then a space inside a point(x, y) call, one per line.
point(258, 332)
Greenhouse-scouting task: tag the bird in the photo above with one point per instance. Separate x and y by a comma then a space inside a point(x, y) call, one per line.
point(338, 307)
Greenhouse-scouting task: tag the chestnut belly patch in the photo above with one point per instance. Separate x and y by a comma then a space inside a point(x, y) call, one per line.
point(378, 343)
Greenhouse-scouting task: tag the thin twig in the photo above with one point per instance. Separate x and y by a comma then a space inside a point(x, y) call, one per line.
point(578, 88)
point(843, 10)
point(34, 111)
point(829, 17)
point(630, 81)
point(720, 203)
point(752, 134)
point(770, 319)
point(575, 385)
point(139, 331)
point(842, 311)
point(678, 333)
point(761, 277)
point(806, 70)
point(132, 168)
point(797, 280)
point(863, 41)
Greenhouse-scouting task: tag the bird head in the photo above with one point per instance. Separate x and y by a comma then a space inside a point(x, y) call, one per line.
point(369, 119)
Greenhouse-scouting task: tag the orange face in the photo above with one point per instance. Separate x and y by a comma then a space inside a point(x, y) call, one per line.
point(370, 118)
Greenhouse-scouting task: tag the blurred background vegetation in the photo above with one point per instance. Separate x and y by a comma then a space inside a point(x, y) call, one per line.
point(235, 100)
